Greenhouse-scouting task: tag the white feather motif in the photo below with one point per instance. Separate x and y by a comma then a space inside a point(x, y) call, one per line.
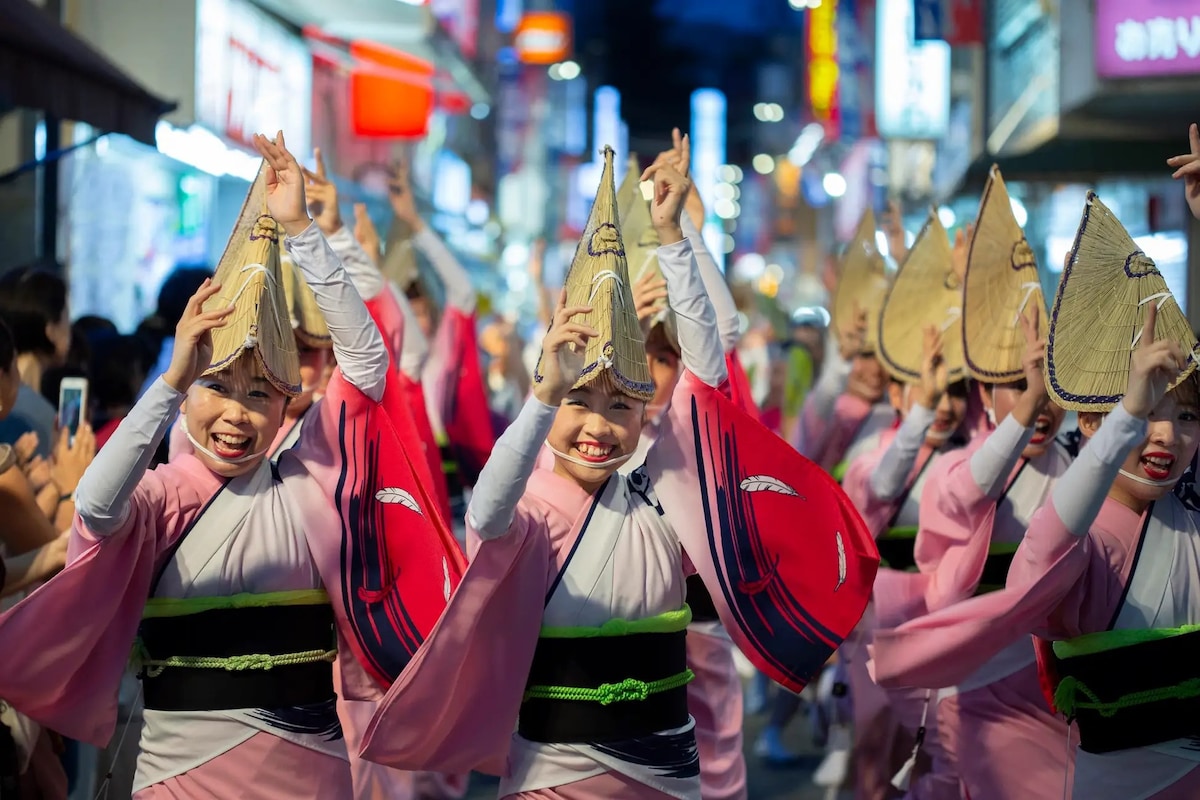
point(446, 573)
point(841, 561)
point(765, 483)
point(398, 496)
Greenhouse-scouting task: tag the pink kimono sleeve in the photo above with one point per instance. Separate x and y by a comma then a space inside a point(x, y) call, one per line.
point(954, 532)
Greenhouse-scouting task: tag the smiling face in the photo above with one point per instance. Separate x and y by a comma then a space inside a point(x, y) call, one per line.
point(948, 416)
point(234, 413)
point(1003, 397)
point(595, 425)
point(867, 380)
point(1152, 469)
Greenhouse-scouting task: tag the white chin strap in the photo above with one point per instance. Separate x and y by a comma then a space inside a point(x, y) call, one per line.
point(223, 459)
point(938, 436)
point(612, 462)
point(1163, 484)
point(991, 415)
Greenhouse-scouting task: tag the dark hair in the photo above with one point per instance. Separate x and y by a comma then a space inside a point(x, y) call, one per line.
point(118, 367)
point(177, 289)
point(657, 341)
point(8, 349)
point(32, 299)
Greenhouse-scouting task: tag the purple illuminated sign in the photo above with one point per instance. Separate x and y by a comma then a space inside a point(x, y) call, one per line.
point(1147, 37)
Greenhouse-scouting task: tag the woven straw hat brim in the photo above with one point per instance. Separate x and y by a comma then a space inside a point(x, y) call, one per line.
point(1099, 310)
point(399, 264)
point(308, 323)
point(1001, 284)
point(251, 280)
point(863, 282)
point(599, 277)
point(925, 292)
point(628, 192)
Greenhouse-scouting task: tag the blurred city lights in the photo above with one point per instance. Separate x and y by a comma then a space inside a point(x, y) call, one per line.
point(763, 164)
point(834, 184)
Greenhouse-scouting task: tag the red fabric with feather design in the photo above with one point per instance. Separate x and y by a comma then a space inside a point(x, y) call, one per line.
point(390, 321)
point(739, 385)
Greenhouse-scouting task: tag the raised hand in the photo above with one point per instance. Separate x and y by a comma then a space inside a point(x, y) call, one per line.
point(1033, 363)
point(26, 447)
point(671, 187)
point(1154, 364)
point(193, 338)
point(893, 229)
point(322, 197)
point(365, 232)
point(1188, 167)
point(404, 204)
point(853, 335)
point(285, 185)
point(960, 251)
point(935, 378)
point(563, 351)
point(649, 295)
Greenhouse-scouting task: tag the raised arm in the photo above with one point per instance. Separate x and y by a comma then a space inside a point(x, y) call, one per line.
point(415, 350)
point(460, 294)
point(357, 344)
point(699, 343)
point(103, 497)
point(994, 462)
point(728, 324)
point(321, 195)
point(890, 477)
point(502, 481)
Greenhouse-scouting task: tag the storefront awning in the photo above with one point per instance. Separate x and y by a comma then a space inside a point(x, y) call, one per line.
point(44, 66)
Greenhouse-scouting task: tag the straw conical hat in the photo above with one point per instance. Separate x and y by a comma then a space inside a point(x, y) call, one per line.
point(1099, 311)
point(251, 280)
point(640, 239)
point(862, 282)
point(399, 263)
point(308, 322)
point(599, 277)
point(926, 292)
point(629, 190)
point(1001, 285)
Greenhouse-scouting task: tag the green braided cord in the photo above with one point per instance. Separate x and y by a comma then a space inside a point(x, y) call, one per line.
point(1003, 548)
point(185, 606)
point(154, 667)
point(1102, 641)
point(839, 470)
point(609, 693)
point(667, 622)
point(1066, 697)
point(901, 532)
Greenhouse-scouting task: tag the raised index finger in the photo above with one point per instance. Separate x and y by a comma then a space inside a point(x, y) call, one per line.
point(1148, 327)
point(685, 159)
point(1194, 139)
point(320, 161)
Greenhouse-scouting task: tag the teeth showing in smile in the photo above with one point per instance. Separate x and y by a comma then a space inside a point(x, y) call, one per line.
point(232, 441)
point(593, 450)
point(1159, 463)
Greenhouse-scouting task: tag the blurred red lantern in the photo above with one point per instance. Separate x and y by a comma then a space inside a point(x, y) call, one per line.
point(391, 92)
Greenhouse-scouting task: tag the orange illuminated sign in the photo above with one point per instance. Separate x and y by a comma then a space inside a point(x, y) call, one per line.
point(543, 37)
point(823, 65)
point(391, 92)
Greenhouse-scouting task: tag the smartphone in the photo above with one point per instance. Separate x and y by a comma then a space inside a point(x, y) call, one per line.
point(72, 404)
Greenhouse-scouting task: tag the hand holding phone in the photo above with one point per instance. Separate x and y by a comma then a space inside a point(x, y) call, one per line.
point(72, 405)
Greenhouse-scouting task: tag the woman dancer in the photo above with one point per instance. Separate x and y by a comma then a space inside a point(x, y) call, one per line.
point(251, 567)
point(587, 659)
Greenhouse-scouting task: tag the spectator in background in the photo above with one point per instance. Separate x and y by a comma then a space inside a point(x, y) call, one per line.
point(33, 302)
point(158, 329)
point(118, 371)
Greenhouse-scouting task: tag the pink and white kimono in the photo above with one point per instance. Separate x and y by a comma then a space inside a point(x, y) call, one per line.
point(887, 485)
point(1086, 564)
point(831, 421)
point(321, 522)
point(548, 558)
point(1008, 742)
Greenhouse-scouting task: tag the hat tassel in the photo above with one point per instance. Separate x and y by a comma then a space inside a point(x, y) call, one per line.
point(903, 777)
